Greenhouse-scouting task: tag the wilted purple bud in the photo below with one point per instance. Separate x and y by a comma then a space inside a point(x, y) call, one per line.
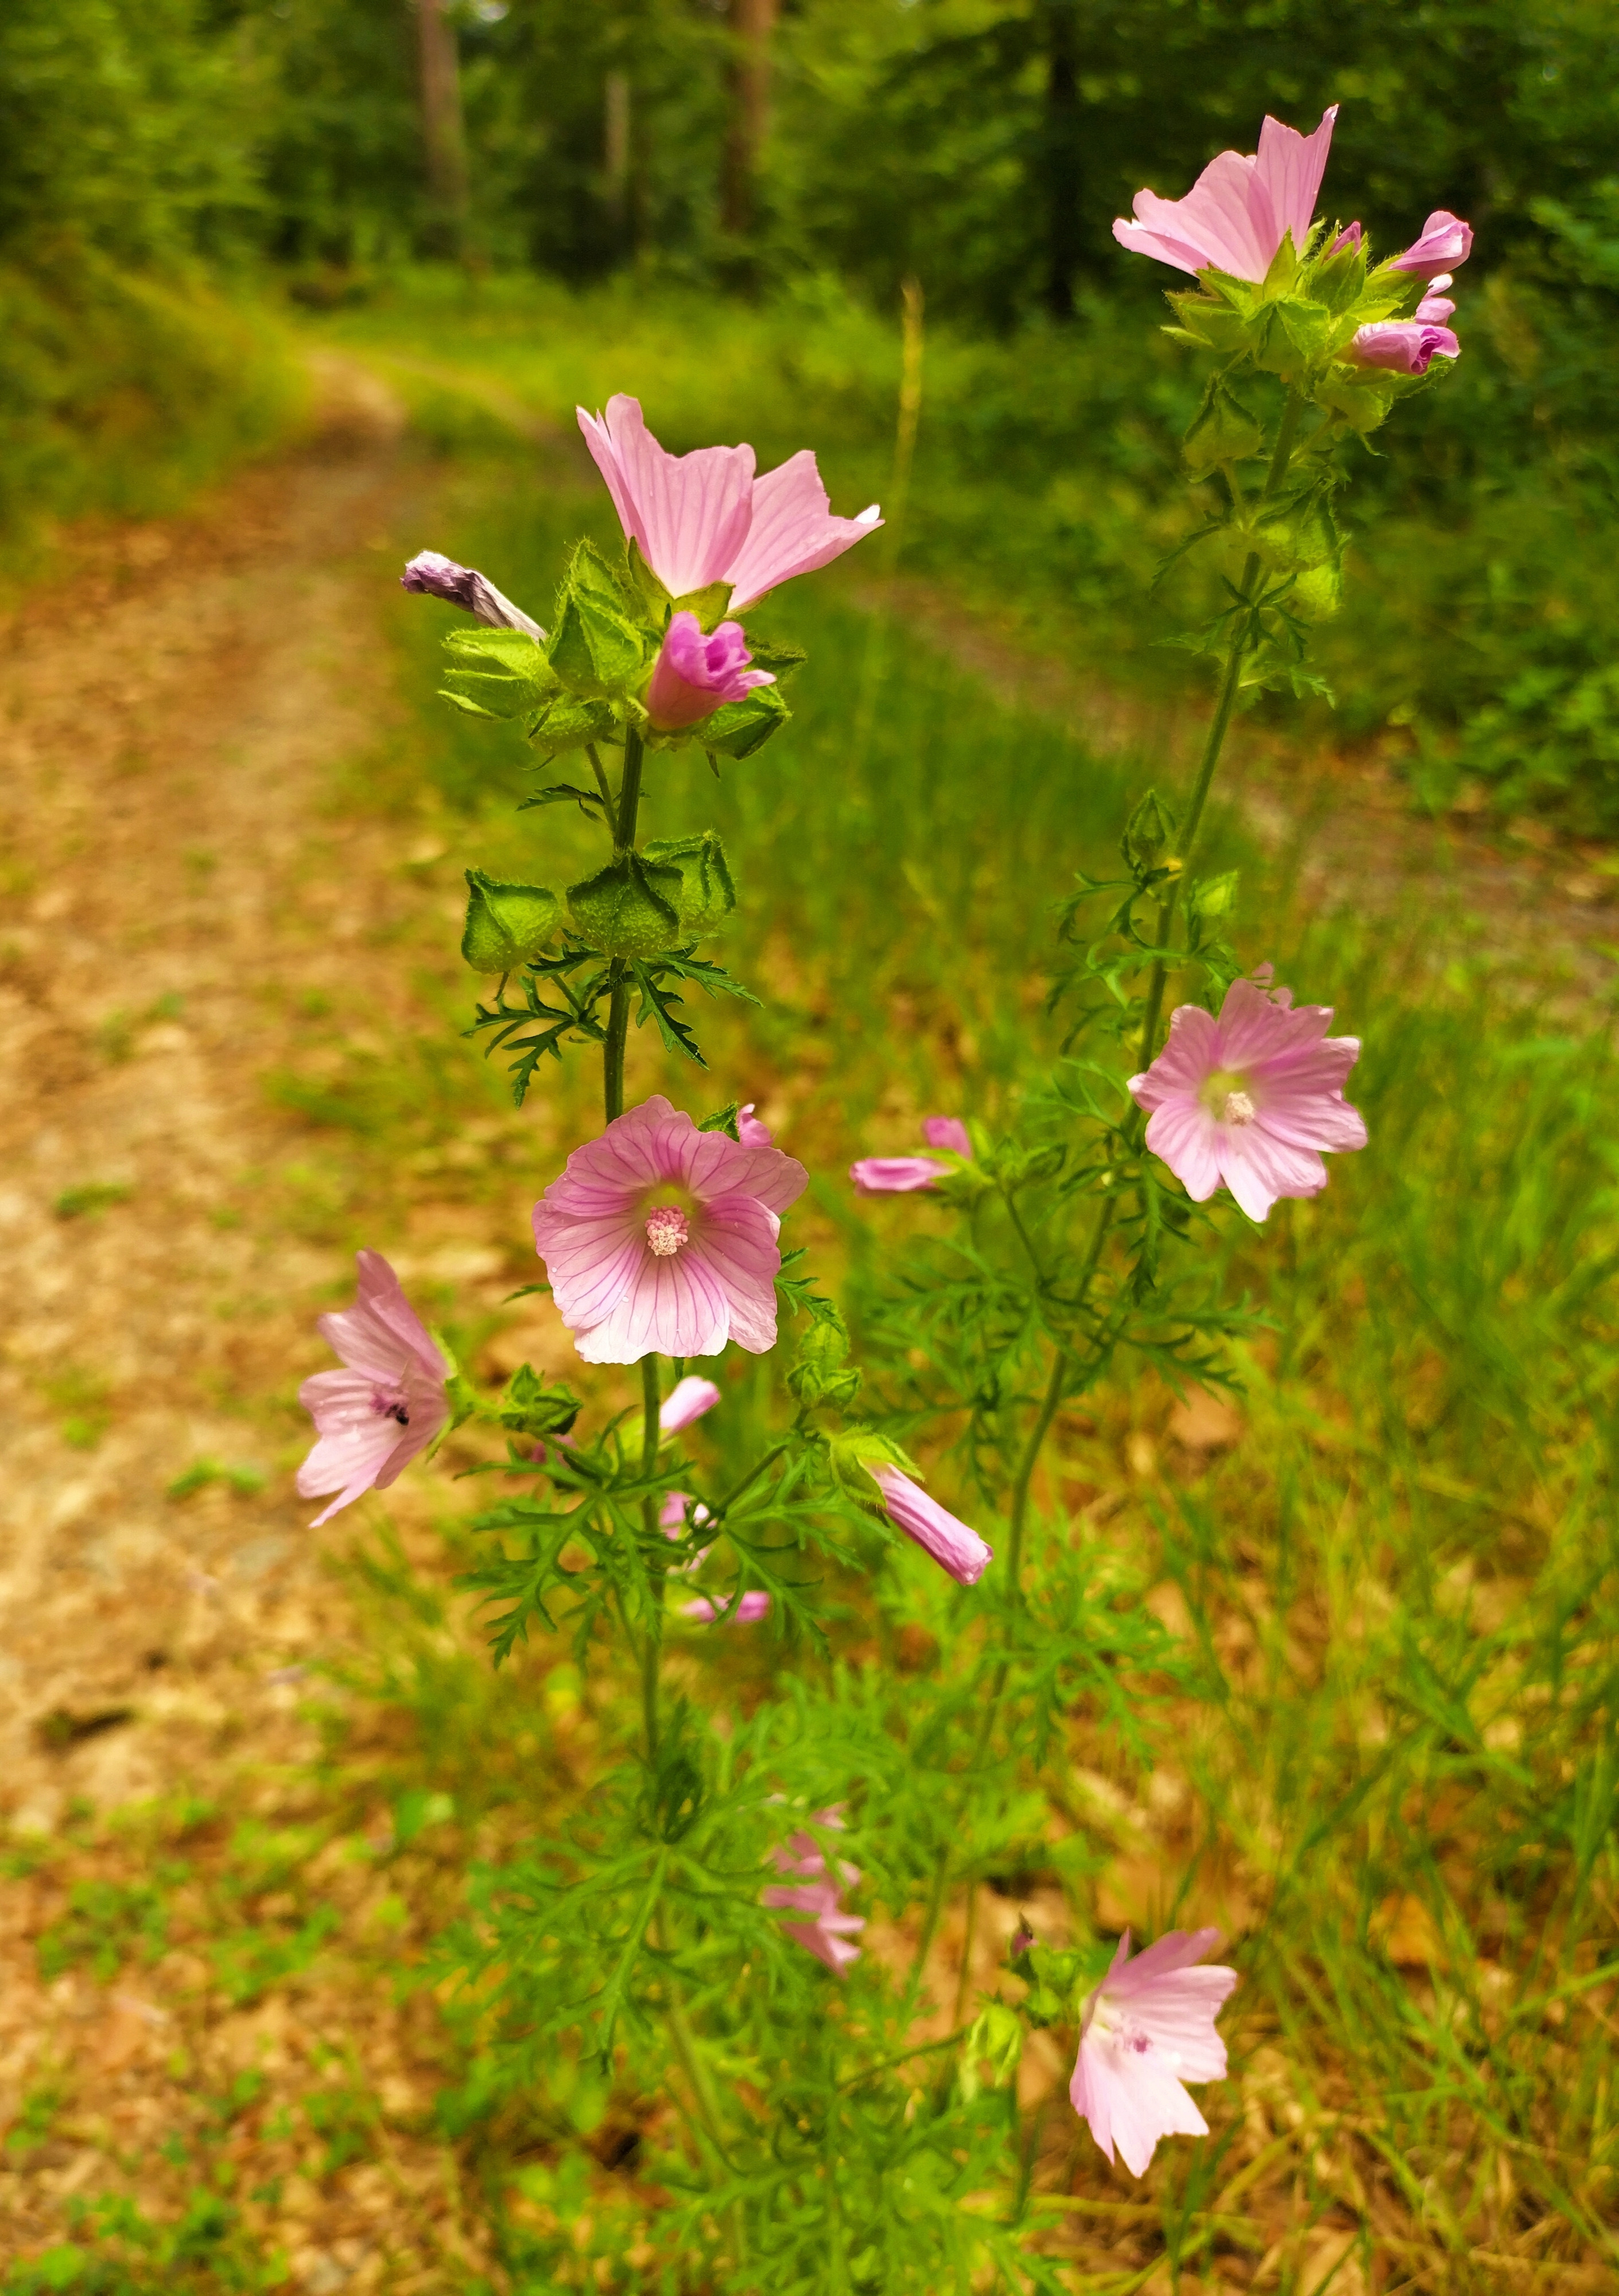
point(1023, 1939)
point(432, 575)
point(1350, 236)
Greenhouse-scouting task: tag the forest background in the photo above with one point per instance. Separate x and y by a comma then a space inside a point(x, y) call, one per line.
point(810, 158)
point(1385, 1760)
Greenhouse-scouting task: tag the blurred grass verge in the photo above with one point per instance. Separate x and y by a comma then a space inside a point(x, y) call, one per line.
point(125, 393)
point(1475, 643)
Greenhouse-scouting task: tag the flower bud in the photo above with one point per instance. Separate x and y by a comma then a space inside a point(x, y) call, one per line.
point(507, 925)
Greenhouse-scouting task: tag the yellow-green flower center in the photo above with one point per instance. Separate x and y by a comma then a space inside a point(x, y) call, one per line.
point(1225, 1096)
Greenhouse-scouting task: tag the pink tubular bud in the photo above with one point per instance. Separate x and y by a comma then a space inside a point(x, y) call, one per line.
point(1403, 345)
point(1445, 242)
point(696, 675)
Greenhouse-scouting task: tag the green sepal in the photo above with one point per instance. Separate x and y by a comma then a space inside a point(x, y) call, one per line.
point(528, 1408)
point(780, 656)
point(495, 673)
point(821, 1372)
point(506, 924)
point(630, 908)
point(708, 892)
point(1148, 833)
point(1222, 431)
point(594, 651)
point(589, 575)
point(708, 604)
point(741, 728)
point(645, 590)
point(853, 1453)
point(1208, 897)
point(723, 1120)
point(566, 723)
point(994, 2040)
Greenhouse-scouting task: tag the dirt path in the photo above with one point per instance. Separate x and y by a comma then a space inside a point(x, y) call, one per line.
point(177, 882)
point(1514, 894)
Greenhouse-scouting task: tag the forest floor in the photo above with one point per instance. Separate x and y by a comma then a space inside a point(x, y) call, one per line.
point(184, 893)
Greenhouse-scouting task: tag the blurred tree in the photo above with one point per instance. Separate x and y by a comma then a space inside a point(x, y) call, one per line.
point(125, 123)
point(443, 128)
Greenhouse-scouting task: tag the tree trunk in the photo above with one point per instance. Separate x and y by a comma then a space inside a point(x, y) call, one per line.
point(616, 157)
point(443, 136)
point(1060, 152)
point(752, 22)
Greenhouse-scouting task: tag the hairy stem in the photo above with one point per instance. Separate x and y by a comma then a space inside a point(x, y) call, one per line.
point(1215, 741)
point(651, 1649)
point(629, 791)
point(618, 1032)
point(609, 809)
point(618, 971)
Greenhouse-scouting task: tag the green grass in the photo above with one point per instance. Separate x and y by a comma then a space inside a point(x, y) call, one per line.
point(127, 392)
point(1476, 640)
point(1388, 1758)
point(1395, 1589)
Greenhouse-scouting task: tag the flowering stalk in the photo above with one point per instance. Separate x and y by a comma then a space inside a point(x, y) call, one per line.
point(1243, 636)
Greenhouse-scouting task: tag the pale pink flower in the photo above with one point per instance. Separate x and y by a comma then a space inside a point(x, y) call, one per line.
point(434, 576)
point(660, 1239)
point(685, 1403)
point(752, 1607)
point(373, 1417)
point(955, 1546)
point(694, 675)
point(752, 1130)
point(1149, 2027)
point(1252, 1098)
point(672, 1515)
point(826, 1933)
point(704, 517)
point(1403, 345)
point(1240, 208)
point(1445, 243)
point(888, 1176)
point(1436, 306)
point(681, 1514)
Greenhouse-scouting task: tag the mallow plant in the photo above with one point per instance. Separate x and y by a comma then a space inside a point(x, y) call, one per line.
point(741, 1926)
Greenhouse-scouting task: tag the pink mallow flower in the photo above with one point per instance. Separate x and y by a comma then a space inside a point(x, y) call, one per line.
point(704, 517)
point(888, 1176)
point(373, 1417)
point(752, 1607)
point(1445, 243)
point(826, 1933)
point(1240, 208)
point(660, 1239)
point(1436, 306)
point(1403, 345)
point(752, 1130)
point(1149, 2027)
point(955, 1546)
point(1252, 1098)
point(694, 675)
point(434, 576)
point(686, 1402)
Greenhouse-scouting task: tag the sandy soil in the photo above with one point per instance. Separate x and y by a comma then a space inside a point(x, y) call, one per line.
point(177, 885)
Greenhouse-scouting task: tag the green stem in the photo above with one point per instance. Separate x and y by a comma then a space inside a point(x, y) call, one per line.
point(1214, 741)
point(618, 971)
point(618, 1032)
point(629, 791)
point(651, 1649)
point(608, 807)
